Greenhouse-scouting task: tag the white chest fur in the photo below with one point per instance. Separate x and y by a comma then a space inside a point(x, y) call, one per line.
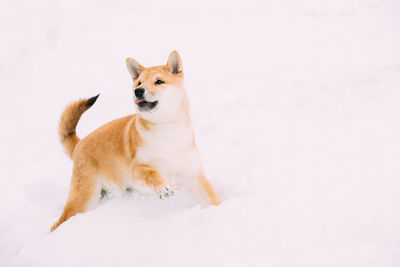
point(168, 148)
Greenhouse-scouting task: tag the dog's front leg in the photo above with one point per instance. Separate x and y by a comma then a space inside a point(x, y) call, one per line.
point(153, 179)
point(207, 191)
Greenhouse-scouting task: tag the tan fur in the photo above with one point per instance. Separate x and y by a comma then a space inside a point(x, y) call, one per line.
point(144, 123)
point(150, 176)
point(69, 120)
point(108, 155)
point(208, 191)
point(150, 75)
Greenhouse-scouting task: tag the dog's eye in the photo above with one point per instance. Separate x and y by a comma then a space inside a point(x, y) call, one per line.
point(139, 83)
point(159, 82)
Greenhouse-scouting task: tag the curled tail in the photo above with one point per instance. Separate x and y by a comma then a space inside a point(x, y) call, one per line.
point(69, 120)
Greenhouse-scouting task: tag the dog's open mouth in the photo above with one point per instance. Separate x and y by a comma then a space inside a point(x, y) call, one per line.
point(145, 105)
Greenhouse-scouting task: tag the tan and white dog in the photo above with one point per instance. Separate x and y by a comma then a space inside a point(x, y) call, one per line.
point(152, 146)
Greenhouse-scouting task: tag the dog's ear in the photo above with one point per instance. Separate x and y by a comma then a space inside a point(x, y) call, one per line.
point(134, 68)
point(174, 63)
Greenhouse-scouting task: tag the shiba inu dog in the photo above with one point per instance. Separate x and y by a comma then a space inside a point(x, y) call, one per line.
point(153, 146)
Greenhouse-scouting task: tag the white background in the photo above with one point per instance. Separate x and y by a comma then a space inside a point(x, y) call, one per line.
point(296, 109)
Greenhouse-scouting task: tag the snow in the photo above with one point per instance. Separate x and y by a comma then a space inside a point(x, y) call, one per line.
point(295, 105)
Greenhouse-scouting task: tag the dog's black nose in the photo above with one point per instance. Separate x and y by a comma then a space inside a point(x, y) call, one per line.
point(139, 92)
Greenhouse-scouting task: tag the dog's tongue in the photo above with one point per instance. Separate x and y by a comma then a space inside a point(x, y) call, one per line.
point(139, 101)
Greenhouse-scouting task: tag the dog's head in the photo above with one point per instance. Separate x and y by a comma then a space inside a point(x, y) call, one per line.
point(159, 92)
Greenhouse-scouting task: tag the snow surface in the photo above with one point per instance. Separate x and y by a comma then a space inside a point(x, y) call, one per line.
point(296, 109)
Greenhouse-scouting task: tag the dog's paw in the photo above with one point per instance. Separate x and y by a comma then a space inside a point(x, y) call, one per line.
point(165, 191)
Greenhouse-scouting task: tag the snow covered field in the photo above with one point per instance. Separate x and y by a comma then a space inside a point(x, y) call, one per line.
point(296, 108)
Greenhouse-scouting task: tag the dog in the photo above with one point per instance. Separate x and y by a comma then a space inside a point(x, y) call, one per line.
point(153, 147)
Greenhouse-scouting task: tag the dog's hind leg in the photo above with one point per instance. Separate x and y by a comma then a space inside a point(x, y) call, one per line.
point(84, 193)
